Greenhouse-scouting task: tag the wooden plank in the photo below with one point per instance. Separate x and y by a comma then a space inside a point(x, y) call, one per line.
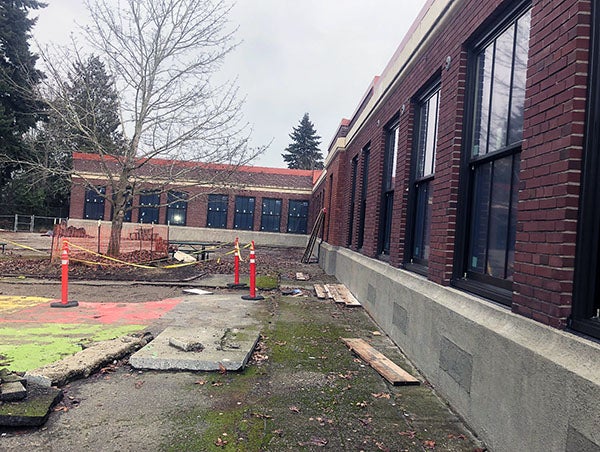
point(302, 276)
point(349, 299)
point(320, 291)
point(378, 361)
point(333, 292)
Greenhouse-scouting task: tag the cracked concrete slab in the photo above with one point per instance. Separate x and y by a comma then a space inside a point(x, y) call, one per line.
point(224, 324)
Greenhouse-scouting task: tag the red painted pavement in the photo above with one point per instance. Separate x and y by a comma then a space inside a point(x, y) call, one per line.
point(103, 313)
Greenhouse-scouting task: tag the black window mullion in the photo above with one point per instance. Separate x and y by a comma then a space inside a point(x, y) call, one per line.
point(491, 100)
point(510, 214)
point(512, 77)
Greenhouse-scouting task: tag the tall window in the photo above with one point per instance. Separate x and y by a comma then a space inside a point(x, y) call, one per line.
point(177, 208)
point(217, 211)
point(366, 155)
point(148, 210)
point(270, 218)
point(297, 217)
point(244, 213)
point(352, 200)
point(423, 167)
point(389, 179)
point(494, 155)
point(94, 203)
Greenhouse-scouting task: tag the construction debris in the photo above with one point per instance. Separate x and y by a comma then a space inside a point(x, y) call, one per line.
point(302, 276)
point(22, 405)
point(186, 344)
point(183, 257)
point(337, 292)
point(197, 292)
point(378, 361)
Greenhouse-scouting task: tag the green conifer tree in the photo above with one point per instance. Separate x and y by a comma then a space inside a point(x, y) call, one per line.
point(303, 152)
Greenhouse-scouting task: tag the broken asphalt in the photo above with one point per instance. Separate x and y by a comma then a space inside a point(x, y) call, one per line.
point(302, 389)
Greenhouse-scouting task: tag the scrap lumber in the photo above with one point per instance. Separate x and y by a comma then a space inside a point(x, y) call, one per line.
point(320, 291)
point(302, 276)
point(347, 296)
point(378, 361)
point(333, 293)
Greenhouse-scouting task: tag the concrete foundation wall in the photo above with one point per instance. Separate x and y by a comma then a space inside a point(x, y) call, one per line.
point(186, 233)
point(519, 384)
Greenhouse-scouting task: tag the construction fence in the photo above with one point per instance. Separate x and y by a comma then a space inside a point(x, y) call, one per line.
point(139, 242)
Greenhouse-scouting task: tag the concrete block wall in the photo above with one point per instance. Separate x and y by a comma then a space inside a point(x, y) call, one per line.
point(521, 385)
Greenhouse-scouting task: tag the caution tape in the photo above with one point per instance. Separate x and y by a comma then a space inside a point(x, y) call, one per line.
point(23, 246)
point(108, 257)
point(183, 264)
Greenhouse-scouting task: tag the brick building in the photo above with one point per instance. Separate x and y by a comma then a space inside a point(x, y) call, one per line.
point(462, 209)
point(246, 198)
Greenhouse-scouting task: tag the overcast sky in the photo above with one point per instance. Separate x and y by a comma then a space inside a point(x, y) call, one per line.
point(296, 56)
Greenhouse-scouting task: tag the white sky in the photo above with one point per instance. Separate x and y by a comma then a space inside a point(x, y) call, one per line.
point(296, 56)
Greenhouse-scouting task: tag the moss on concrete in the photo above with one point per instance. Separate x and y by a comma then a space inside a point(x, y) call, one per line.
point(312, 390)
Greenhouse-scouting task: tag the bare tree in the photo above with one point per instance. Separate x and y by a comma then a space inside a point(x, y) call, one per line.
point(162, 55)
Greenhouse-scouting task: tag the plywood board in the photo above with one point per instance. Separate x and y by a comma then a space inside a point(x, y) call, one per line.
point(349, 299)
point(320, 291)
point(333, 293)
point(378, 361)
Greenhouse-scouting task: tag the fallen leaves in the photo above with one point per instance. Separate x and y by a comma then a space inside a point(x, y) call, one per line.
point(222, 369)
point(220, 442)
point(200, 382)
point(294, 409)
point(409, 434)
point(429, 444)
point(138, 384)
point(381, 395)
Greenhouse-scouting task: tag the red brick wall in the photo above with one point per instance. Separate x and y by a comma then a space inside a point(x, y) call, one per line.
point(198, 205)
point(550, 159)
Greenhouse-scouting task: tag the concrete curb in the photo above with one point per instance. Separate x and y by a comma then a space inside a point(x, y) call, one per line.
point(82, 364)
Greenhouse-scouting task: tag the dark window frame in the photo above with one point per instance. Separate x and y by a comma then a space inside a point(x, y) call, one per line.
point(146, 206)
point(244, 218)
point(216, 215)
point(94, 205)
point(421, 182)
point(177, 202)
point(390, 163)
point(464, 277)
point(297, 216)
point(271, 222)
point(366, 159)
point(353, 185)
point(586, 290)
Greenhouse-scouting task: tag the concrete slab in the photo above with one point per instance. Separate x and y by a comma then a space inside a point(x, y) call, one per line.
point(215, 281)
point(11, 391)
point(225, 325)
point(33, 410)
point(83, 363)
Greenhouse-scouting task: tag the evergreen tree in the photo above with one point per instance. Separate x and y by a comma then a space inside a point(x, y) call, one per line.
point(303, 152)
point(19, 109)
point(93, 99)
